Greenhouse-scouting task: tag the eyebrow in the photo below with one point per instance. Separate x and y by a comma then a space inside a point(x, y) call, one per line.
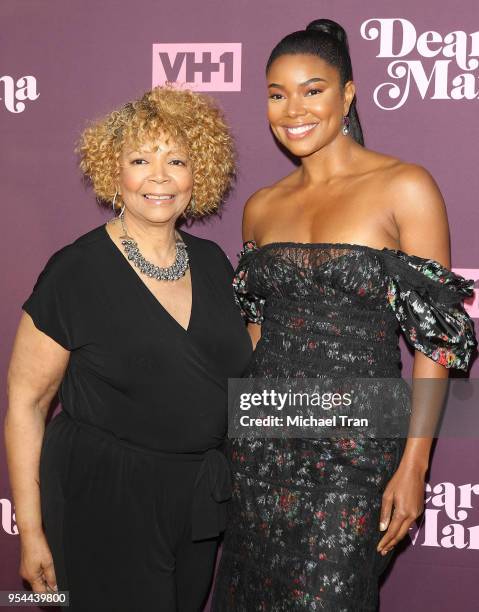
point(169, 151)
point(308, 82)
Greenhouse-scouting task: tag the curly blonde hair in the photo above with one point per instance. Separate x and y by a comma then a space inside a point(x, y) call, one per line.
point(189, 118)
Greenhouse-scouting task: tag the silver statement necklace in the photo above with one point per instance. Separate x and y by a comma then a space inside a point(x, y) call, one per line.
point(174, 272)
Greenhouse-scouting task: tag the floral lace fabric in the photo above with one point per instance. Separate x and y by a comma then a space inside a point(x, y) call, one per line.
point(425, 296)
point(303, 524)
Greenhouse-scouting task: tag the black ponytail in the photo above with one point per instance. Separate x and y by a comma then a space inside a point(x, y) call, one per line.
point(328, 40)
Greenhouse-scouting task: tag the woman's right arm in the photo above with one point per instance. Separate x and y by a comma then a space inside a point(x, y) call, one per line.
point(37, 366)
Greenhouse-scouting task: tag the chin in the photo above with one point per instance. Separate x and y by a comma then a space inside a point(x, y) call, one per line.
point(301, 149)
point(161, 216)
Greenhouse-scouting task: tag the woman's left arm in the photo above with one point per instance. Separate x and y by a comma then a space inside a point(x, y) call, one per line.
point(421, 218)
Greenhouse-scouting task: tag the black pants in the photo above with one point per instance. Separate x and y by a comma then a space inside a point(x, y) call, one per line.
point(118, 522)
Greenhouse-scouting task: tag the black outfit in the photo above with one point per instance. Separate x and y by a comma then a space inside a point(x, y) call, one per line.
point(304, 521)
point(133, 481)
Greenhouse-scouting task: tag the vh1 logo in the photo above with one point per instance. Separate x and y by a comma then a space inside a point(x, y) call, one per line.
point(199, 66)
point(471, 304)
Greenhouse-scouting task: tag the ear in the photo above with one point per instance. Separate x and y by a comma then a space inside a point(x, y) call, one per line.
point(349, 93)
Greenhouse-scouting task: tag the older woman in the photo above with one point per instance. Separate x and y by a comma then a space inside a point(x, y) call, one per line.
point(120, 500)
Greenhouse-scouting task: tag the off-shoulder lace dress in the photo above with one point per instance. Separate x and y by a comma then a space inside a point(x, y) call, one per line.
point(303, 526)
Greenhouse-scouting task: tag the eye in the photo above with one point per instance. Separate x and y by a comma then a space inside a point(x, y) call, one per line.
point(314, 92)
point(139, 161)
point(275, 96)
point(177, 162)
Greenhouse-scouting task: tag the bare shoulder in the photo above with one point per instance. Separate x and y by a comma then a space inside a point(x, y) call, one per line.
point(420, 212)
point(413, 180)
point(403, 185)
point(415, 192)
point(254, 210)
point(259, 205)
point(258, 200)
point(413, 203)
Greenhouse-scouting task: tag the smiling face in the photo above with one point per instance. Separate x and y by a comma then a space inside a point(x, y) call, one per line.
point(156, 180)
point(306, 102)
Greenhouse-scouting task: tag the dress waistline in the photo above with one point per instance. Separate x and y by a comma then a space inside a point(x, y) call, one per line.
point(212, 488)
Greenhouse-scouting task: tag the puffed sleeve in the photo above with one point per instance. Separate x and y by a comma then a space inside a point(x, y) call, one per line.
point(427, 299)
point(251, 305)
point(51, 304)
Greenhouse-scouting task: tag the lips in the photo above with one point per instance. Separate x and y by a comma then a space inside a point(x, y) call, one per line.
point(295, 132)
point(159, 197)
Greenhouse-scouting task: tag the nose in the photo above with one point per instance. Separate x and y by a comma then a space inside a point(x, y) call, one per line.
point(159, 173)
point(159, 179)
point(295, 107)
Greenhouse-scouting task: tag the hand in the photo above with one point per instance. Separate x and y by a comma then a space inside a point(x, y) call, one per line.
point(36, 564)
point(404, 492)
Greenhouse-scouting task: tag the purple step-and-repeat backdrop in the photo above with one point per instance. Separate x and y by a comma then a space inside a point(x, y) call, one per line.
point(416, 67)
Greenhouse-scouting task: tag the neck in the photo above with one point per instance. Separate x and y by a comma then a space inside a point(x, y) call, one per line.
point(331, 162)
point(157, 241)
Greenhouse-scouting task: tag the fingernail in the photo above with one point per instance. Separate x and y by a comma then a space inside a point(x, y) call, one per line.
point(382, 525)
point(55, 588)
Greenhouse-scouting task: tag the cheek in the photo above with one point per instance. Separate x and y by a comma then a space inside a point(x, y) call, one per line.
point(184, 179)
point(273, 112)
point(274, 116)
point(130, 179)
point(319, 107)
point(325, 105)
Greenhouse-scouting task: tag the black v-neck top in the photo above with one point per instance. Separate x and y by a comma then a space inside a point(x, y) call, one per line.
point(134, 370)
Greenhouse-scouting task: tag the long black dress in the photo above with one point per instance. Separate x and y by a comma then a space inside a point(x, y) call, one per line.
point(303, 528)
point(132, 478)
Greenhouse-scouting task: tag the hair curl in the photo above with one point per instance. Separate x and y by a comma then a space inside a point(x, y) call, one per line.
point(189, 118)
